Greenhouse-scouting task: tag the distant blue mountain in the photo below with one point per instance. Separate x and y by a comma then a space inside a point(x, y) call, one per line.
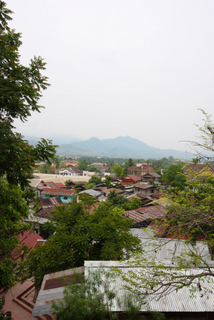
point(123, 147)
point(55, 139)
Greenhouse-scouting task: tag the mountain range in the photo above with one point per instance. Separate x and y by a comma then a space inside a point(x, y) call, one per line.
point(120, 147)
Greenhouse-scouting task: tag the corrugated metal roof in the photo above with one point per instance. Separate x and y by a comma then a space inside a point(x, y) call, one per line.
point(132, 177)
point(60, 185)
point(143, 185)
point(145, 213)
point(133, 168)
point(107, 191)
point(58, 192)
point(35, 182)
point(167, 249)
point(176, 301)
point(47, 296)
point(92, 192)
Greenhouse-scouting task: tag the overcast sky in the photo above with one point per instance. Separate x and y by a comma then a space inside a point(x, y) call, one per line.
point(140, 68)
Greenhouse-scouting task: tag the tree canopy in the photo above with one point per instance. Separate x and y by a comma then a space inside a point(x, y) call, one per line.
point(107, 181)
point(120, 201)
point(20, 90)
point(174, 177)
point(190, 218)
point(78, 236)
point(118, 170)
point(13, 208)
point(130, 162)
point(95, 180)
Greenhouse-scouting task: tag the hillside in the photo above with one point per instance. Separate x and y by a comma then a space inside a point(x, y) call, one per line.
point(126, 147)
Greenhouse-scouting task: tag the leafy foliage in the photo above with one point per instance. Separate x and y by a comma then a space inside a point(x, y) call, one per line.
point(190, 217)
point(107, 181)
point(128, 164)
point(78, 236)
point(90, 186)
point(120, 201)
point(118, 170)
point(94, 297)
point(174, 176)
point(20, 90)
point(95, 180)
point(13, 208)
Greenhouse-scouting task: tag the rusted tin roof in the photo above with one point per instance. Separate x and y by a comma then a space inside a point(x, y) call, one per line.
point(143, 185)
point(145, 213)
point(58, 192)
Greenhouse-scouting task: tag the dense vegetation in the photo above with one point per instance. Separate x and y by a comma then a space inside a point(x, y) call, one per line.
point(20, 90)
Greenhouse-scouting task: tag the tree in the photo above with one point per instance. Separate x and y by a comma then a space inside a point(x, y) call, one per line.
point(92, 169)
point(174, 176)
point(108, 180)
point(118, 170)
point(94, 297)
point(78, 236)
point(90, 186)
point(205, 147)
point(83, 164)
point(68, 181)
point(122, 202)
point(190, 217)
point(128, 164)
point(45, 168)
point(92, 182)
point(20, 90)
point(95, 180)
point(62, 164)
point(13, 209)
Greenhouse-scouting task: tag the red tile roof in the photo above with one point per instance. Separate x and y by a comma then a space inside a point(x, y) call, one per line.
point(30, 239)
point(132, 177)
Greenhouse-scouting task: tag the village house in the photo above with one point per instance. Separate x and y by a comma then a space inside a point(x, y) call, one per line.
point(145, 168)
point(141, 169)
point(129, 180)
point(105, 191)
point(30, 240)
point(134, 171)
point(144, 189)
point(150, 176)
point(65, 195)
point(93, 193)
point(143, 217)
point(74, 171)
point(200, 171)
point(71, 163)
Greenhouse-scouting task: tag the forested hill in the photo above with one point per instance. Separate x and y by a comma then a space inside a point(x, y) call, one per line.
point(119, 147)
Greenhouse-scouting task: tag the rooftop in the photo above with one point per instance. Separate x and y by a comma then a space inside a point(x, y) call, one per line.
point(143, 185)
point(58, 192)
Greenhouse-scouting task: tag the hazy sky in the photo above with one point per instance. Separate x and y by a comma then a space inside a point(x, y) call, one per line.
point(120, 67)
